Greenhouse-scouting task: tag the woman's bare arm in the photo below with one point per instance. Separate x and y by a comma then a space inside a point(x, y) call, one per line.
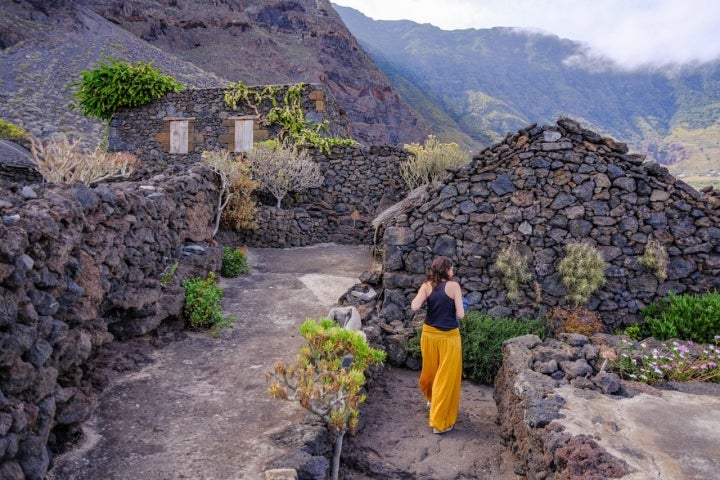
point(420, 298)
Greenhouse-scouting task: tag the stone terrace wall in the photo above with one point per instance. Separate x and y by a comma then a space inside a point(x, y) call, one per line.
point(359, 183)
point(80, 267)
point(542, 188)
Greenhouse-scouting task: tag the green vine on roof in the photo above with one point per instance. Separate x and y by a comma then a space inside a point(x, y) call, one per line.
point(295, 130)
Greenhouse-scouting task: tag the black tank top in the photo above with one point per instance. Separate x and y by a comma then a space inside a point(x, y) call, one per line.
point(441, 309)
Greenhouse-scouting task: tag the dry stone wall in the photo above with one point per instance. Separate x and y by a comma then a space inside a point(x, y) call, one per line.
point(541, 189)
point(79, 268)
point(359, 182)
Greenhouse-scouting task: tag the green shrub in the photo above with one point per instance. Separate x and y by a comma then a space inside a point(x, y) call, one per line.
point(685, 317)
point(234, 262)
point(202, 304)
point(430, 161)
point(11, 131)
point(482, 339)
point(582, 271)
point(110, 87)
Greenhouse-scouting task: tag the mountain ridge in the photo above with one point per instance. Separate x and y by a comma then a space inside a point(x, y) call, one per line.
point(489, 82)
point(398, 81)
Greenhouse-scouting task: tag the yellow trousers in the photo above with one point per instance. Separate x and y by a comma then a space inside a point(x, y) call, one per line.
point(441, 374)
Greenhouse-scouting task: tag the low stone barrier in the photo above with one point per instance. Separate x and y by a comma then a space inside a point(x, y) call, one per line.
point(81, 267)
point(564, 416)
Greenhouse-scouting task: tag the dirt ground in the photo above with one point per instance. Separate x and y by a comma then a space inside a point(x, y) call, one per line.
point(200, 409)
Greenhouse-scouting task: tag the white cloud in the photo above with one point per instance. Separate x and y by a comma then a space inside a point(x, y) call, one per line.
point(631, 33)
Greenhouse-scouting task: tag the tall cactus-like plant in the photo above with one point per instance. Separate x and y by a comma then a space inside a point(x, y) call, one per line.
point(655, 258)
point(582, 271)
point(513, 269)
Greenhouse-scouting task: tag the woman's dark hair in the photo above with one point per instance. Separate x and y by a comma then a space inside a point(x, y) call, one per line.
point(439, 270)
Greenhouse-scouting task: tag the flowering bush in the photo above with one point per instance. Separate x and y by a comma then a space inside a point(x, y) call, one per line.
point(673, 361)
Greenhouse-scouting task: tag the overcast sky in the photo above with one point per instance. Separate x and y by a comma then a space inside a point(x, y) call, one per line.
point(630, 32)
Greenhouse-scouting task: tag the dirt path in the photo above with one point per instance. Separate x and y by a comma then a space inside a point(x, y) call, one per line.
point(200, 411)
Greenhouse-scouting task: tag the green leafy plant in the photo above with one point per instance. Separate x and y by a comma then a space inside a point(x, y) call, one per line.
point(582, 271)
point(238, 92)
point(676, 361)
point(328, 378)
point(684, 317)
point(234, 262)
point(513, 269)
point(118, 84)
point(430, 161)
point(202, 304)
point(280, 169)
point(655, 258)
point(10, 131)
point(482, 339)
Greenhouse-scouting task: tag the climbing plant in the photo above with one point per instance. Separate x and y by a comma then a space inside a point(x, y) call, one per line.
point(295, 129)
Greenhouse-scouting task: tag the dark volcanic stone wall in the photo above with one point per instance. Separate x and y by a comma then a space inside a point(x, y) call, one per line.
point(79, 268)
point(543, 188)
point(358, 183)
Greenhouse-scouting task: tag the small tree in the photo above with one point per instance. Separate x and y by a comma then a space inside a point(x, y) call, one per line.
point(281, 169)
point(430, 161)
point(328, 378)
point(236, 187)
point(117, 84)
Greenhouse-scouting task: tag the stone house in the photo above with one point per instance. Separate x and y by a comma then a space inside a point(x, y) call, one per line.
point(541, 189)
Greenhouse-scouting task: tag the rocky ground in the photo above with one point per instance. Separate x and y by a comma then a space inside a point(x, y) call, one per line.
point(200, 409)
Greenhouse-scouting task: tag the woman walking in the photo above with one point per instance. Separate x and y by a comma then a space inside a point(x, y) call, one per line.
point(440, 344)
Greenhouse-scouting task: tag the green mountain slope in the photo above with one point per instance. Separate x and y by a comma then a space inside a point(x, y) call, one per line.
point(483, 83)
